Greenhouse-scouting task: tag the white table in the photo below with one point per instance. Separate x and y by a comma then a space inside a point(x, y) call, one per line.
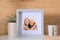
point(46, 37)
point(20, 38)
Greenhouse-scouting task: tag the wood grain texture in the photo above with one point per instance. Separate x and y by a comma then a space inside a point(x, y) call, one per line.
point(51, 7)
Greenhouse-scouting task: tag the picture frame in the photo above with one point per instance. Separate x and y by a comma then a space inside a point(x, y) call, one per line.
point(26, 18)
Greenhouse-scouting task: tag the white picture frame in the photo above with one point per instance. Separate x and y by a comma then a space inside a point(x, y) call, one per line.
point(36, 14)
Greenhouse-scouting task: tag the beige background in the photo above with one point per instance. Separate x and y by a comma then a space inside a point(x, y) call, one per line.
point(51, 9)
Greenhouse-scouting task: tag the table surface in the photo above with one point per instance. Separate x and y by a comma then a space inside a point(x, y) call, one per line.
point(46, 37)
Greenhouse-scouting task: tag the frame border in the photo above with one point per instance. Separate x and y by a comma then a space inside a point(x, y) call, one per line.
point(17, 14)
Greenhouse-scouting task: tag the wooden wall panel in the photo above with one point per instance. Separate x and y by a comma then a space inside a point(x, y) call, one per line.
point(7, 7)
point(3, 28)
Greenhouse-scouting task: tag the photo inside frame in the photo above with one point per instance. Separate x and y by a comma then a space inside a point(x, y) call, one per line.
point(31, 21)
point(30, 24)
